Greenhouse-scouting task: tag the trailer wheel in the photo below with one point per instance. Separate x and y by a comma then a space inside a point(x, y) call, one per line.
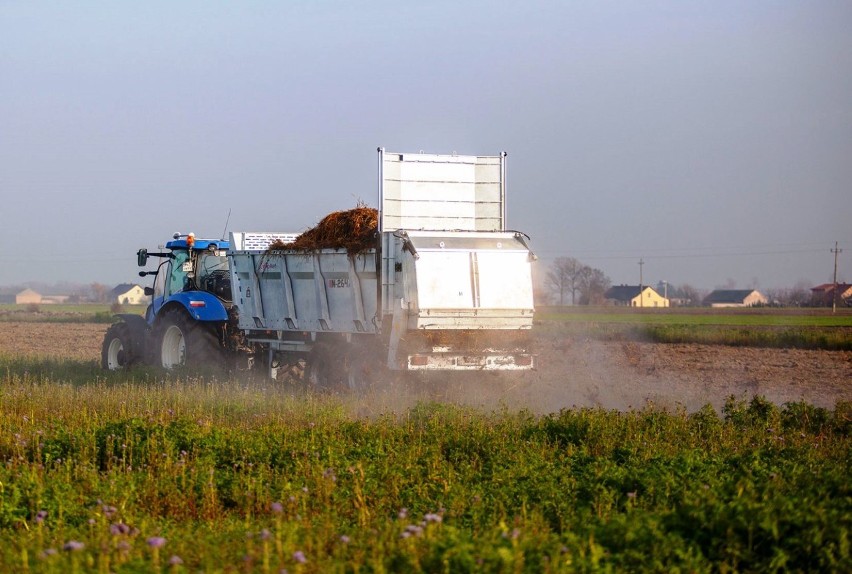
point(185, 342)
point(343, 366)
point(118, 350)
point(364, 368)
point(328, 367)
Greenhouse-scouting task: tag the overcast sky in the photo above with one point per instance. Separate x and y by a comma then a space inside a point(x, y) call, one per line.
point(711, 139)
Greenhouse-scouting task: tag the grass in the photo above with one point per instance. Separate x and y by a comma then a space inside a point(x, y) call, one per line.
point(778, 328)
point(153, 473)
point(66, 313)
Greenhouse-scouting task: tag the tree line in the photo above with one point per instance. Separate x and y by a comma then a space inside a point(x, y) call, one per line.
point(572, 282)
point(569, 280)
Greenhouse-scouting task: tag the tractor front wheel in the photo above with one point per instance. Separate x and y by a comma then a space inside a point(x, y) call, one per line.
point(119, 349)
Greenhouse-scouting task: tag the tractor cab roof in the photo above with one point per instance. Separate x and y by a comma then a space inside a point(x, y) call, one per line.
point(183, 242)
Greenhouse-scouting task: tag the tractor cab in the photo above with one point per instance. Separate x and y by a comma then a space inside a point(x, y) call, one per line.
point(191, 268)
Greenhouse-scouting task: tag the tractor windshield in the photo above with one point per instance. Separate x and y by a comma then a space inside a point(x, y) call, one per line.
point(180, 266)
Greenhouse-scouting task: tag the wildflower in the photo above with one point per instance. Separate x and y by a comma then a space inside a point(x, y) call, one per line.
point(175, 560)
point(344, 539)
point(514, 534)
point(40, 516)
point(265, 534)
point(403, 513)
point(73, 546)
point(414, 529)
point(631, 495)
point(48, 552)
point(119, 528)
point(299, 557)
point(432, 517)
point(108, 510)
point(277, 507)
point(156, 542)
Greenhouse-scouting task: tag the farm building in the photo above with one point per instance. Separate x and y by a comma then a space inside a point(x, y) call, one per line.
point(735, 298)
point(635, 296)
point(823, 295)
point(129, 294)
point(28, 296)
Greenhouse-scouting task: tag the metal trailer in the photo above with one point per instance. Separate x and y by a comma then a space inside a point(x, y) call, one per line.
point(446, 286)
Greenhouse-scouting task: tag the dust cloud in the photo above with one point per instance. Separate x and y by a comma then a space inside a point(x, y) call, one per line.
point(577, 372)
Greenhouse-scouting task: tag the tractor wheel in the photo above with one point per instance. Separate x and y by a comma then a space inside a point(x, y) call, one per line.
point(118, 350)
point(184, 342)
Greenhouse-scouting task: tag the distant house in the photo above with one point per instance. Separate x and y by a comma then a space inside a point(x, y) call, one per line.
point(635, 296)
point(735, 298)
point(27, 297)
point(128, 294)
point(823, 295)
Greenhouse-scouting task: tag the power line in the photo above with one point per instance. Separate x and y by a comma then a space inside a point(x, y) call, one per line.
point(589, 255)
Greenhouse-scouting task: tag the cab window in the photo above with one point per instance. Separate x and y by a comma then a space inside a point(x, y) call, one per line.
point(176, 281)
point(160, 279)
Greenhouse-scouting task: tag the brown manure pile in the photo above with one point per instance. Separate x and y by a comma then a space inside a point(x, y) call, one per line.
point(353, 230)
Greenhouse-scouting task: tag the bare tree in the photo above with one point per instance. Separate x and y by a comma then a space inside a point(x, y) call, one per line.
point(593, 286)
point(565, 277)
point(800, 294)
point(100, 292)
point(691, 296)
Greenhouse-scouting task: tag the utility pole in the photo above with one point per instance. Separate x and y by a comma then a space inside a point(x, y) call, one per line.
point(641, 300)
point(836, 252)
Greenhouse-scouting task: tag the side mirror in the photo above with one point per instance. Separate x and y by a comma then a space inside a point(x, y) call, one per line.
point(149, 291)
point(142, 257)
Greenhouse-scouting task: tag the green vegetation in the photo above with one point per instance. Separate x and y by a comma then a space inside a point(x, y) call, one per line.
point(142, 473)
point(779, 328)
point(66, 313)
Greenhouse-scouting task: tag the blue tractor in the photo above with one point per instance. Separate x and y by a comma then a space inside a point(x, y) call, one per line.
point(187, 322)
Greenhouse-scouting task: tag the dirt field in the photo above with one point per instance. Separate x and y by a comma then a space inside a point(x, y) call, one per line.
point(572, 371)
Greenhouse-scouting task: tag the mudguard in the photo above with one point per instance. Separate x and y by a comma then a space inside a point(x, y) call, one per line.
point(200, 305)
point(138, 325)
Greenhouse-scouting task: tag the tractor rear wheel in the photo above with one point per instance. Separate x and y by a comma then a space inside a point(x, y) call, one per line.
point(183, 341)
point(118, 350)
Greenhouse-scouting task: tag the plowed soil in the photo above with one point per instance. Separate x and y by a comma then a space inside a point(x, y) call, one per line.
point(572, 371)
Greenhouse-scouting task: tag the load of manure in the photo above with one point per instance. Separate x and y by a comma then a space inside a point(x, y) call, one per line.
point(353, 230)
